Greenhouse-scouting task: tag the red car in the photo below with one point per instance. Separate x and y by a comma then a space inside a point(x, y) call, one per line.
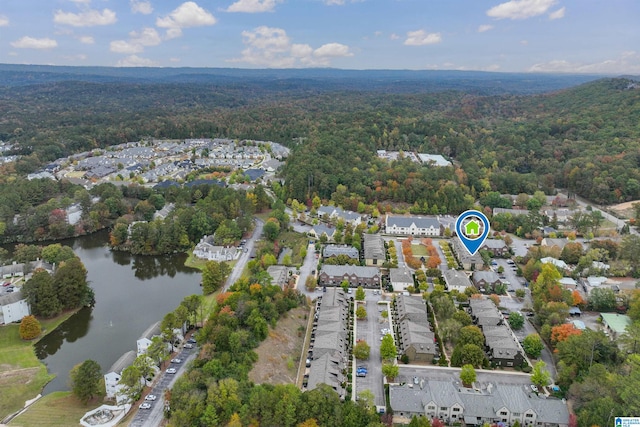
point(7, 284)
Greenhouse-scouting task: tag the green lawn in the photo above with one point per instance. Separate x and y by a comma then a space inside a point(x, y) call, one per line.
point(419, 250)
point(58, 409)
point(22, 376)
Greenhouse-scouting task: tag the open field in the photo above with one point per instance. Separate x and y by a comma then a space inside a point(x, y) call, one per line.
point(22, 376)
point(58, 409)
point(279, 354)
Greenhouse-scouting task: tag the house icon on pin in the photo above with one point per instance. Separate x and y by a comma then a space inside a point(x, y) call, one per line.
point(472, 229)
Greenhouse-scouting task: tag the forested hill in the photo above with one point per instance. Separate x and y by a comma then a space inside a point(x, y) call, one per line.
point(499, 135)
point(321, 79)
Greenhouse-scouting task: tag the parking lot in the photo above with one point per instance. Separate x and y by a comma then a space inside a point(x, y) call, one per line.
point(369, 330)
point(154, 415)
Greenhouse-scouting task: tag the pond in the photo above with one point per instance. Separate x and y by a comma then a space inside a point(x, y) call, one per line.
point(132, 293)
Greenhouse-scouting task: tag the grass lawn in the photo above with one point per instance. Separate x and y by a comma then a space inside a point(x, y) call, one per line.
point(22, 376)
point(295, 241)
point(194, 262)
point(419, 250)
point(59, 409)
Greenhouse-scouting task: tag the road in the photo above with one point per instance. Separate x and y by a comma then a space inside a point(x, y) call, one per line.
point(369, 331)
point(310, 264)
point(154, 417)
point(236, 273)
point(618, 222)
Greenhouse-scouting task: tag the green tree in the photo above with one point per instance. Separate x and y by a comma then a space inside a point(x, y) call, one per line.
point(630, 340)
point(214, 274)
point(131, 381)
point(390, 371)
point(271, 229)
point(361, 312)
point(157, 350)
point(533, 345)
point(516, 320)
point(388, 349)
point(29, 328)
point(70, 281)
point(86, 380)
point(361, 350)
point(602, 299)
point(540, 375)
point(467, 375)
point(629, 386)
point(56, 253)
point(470, 335)
point(420, 422)
point(360, 295)
point(468, 354)
point(41, 295)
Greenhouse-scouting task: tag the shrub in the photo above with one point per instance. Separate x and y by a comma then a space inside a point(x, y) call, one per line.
point(30, 328)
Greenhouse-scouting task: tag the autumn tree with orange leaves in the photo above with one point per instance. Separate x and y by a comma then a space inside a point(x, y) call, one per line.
point(562, 332)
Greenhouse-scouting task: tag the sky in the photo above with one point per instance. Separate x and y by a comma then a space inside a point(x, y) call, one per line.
point(574, 36)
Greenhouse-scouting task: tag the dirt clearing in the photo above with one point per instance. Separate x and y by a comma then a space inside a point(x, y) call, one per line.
point(279, 354)
point(625, 209)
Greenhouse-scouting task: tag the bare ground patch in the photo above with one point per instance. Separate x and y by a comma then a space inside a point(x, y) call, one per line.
point(625, 209)
point(279, 354)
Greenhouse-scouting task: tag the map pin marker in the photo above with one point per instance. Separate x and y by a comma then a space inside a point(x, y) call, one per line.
point(472, 228)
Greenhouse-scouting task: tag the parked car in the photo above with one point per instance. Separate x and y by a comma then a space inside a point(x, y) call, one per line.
point(188, 345)
point(171, 371)
point(6, 284)
point(151, 397)
point(176, 360)
point(416, 380)
point(534, 388)
point(192, 340)
point(145, 405)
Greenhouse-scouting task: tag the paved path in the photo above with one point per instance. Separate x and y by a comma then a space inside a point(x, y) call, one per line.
point(236, 273)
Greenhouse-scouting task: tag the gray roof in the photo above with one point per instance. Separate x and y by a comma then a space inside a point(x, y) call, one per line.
point(407, 221)
point(334, 297)
point(327, 369)
point(494, 243)
point(335, 250)
point(152, 331)
point(374, 246)
point(417, 335)
point(123, 362)
point(11, 298)
point(341, 270)
point(456, 278)
point(278, 273)
point(320, 229)
point(483, 402)
point(487, 276)
point(400, 275)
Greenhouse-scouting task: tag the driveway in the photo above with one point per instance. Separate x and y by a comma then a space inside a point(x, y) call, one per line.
point(245, 255)
point(154, 417)
point(310, 264)
point(369, 331)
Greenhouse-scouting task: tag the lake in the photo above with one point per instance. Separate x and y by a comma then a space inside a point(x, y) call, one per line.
point(132, 292)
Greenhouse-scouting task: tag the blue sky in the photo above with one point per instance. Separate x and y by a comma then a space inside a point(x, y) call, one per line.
point(585, 36)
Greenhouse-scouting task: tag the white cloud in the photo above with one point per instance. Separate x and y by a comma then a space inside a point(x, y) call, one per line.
point(626, 63)
point(124, 46)
point(520, 9)
point(4, 21)
point(81, 1)
point(136, 61)
point(271, 47)
point(87, 40)
point(334, 2)
point(483, 28)
point(524, 42)
point(27, 42)
point(394, 36)
point(78, 57)
point(422, 38)
point(558, 14)
point(335, 50)
point(88, 18)
point(137, 42)
point(253, 6)
point(141, 6)
point(187, 15)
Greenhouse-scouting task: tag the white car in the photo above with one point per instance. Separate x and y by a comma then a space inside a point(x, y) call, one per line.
point(188, 345)
point(534, 388)
point(150, 397)
point(176, 360)
point(145, 405)
point(171, 371)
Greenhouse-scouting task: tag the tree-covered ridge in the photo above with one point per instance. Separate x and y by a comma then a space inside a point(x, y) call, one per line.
point(584, 138)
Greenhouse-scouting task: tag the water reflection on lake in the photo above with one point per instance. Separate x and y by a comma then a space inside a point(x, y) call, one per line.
point(132, 292)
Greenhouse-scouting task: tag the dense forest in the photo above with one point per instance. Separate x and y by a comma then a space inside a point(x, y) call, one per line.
point(583, 138)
